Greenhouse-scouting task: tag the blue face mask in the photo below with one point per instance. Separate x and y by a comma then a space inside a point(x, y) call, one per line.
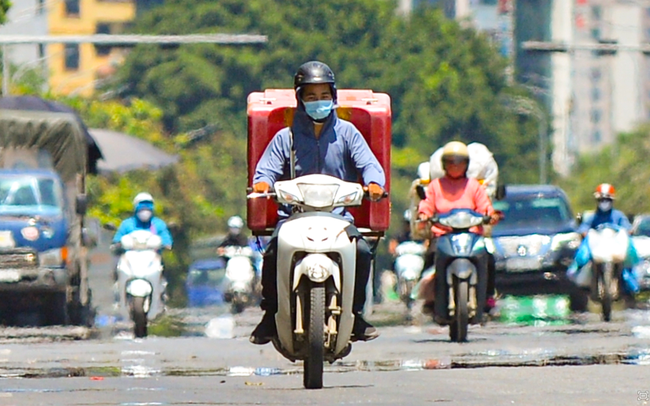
point(320, 109)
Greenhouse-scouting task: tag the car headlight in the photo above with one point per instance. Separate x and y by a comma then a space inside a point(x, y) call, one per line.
point(569, 240)
point(53, 258)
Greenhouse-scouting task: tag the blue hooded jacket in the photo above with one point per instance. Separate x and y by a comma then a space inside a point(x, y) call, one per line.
point(155, 225)
point(340, 151)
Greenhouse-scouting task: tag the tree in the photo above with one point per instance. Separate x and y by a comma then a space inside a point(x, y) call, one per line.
point(4, 7)
point(446, 82)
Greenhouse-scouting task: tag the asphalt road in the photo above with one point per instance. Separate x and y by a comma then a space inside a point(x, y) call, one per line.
point(582, 362)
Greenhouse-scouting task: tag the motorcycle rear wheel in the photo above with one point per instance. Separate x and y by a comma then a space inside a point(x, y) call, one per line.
point(458, 327)
point(313, 364)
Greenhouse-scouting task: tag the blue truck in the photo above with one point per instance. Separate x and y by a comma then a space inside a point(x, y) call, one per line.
point(44, 237)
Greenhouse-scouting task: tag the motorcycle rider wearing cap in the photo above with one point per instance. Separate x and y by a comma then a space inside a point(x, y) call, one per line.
point(454, 191)
point(322, 144)
point(143, 219)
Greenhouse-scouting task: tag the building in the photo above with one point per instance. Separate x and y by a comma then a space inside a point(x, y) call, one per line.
point(71, 69)
point(611, 90)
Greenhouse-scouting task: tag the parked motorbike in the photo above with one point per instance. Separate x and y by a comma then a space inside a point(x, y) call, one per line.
point(461, 253)
point(240, 290)
point(316, 272)
point(409, 264)
point(140, 282)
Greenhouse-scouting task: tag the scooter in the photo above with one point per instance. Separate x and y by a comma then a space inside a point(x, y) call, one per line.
point(409, 265)
point(140, 282)
point(316, 272)
point(240, 277)
point(609, 248)
point(462, 253)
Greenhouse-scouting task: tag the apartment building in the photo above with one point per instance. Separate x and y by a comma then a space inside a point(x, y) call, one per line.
point(71, 68)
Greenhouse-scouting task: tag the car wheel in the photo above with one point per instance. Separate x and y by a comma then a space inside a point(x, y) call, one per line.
point(578, 300)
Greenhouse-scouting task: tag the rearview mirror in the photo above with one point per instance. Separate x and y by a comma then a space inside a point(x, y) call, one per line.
point(109, 226)
point(81, 204)
point(419, 189)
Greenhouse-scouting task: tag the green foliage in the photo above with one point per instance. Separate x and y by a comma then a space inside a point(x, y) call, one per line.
point(446, 82)
point(4, 7)
point(623, 165)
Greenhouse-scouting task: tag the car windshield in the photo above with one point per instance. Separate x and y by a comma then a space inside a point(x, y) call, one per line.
point(642, 227)
point(532, 211)
point(29, 194)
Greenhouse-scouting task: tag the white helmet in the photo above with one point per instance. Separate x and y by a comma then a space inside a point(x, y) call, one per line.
point(235, 222)
point(142, 197)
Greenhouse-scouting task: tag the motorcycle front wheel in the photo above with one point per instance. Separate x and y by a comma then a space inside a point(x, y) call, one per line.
point(139, 317)
point(459, 325)
point(313, 365)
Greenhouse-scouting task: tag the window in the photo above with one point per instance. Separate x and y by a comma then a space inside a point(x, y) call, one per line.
point(72, 8)
point(595, 94)
point(596, 74)
point(595, 33)
point(71, 56)
point(597, 12)
point(595, 116)
point(598, 137)
point(103, 28)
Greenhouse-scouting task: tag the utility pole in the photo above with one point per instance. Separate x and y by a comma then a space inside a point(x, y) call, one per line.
point(122, 41)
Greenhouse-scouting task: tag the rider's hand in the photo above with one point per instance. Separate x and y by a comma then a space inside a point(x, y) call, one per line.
point(261, 187)
point(494, 218)
point(375, 192)
point(423, 221)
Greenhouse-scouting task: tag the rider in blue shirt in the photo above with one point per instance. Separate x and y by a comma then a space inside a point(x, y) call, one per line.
point(143, 219)
point(604, 214)
point(321, 143)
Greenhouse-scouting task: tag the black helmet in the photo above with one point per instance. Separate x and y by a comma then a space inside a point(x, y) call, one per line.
point(314, 72)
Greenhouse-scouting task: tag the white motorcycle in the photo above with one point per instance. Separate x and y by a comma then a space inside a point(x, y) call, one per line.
point(409, 265)
point(240, 277)
point(140, 282)
point(316, 272)
point(608, 246)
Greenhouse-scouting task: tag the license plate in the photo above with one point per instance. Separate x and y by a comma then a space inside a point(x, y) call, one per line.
point(522, 264)
point(9, 275)
point(7, 239)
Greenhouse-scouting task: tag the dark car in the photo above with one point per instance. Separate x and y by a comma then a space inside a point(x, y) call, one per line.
point(535, 242)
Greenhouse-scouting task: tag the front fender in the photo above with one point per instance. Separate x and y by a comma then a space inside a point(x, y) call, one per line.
point(462, 268)
point(139, 288)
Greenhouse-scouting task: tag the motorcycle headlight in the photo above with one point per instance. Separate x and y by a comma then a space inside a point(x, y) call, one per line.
point(318, 195)
point(569, 240)
point(462, 243)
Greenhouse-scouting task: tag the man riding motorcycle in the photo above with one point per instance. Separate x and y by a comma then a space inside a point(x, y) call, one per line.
point(144, 219)
point(605, 213)
point(235, 238)
point(453, 191)
point(318, 142)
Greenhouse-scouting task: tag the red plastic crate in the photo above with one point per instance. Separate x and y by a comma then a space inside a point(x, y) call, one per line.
point(273, 109)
